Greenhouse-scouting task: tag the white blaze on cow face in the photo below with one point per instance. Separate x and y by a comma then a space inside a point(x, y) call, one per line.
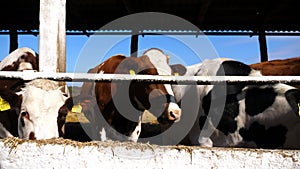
point(41, 101)
point(160, 62)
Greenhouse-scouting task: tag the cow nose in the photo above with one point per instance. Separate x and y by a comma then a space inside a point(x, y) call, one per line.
point(174, 112)
point(174, 115)
point(32, 136)
point(25, 114)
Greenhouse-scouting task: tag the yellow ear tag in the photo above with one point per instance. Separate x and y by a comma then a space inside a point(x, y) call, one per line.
point(132, 72)
point(76, 115)
point(299, 109)
point(176, 74)
point(77, 108)
point(4, 105)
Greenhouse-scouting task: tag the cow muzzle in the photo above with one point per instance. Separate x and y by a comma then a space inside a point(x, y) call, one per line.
point(174, 112)
point(32, 136)
point(25, 127)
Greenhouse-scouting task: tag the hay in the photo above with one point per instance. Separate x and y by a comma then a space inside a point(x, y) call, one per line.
point(13, 142)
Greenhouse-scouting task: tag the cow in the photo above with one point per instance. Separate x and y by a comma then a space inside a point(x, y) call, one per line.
point(122, 103)
point(268, 117)
point(250, 115)
point(285, 67)
point(19, 60)
point(26, 109)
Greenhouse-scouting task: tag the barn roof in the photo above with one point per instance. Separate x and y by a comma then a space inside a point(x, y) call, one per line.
point(213, 15)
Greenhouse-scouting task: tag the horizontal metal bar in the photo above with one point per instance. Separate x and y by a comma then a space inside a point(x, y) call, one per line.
point(194, 33)
point(188, 80)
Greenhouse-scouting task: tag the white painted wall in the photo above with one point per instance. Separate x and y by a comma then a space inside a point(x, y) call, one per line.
point(60, 154)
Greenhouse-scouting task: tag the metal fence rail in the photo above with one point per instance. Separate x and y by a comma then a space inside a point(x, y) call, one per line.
point(188, 80)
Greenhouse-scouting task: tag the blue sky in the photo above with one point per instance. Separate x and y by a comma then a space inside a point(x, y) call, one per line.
point(85, 52)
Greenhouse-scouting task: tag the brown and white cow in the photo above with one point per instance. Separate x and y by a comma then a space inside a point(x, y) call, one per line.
point(18, 60)
point(285, 67)
point(279, 67)
point(30, 110)
point(122, 103)
point(37, 107)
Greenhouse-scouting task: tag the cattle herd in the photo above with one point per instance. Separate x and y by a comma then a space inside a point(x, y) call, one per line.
point(240, 115)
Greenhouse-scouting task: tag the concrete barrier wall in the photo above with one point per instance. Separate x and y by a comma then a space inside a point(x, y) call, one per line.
point(60, 153)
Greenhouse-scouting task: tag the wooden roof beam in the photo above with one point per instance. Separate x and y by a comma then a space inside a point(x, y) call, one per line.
point(128, 6)
point(203, 10)
point(274, 8)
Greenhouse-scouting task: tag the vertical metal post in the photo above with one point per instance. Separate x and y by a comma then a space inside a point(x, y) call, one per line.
point(134, 43)
point(263, 45)
point(13, 40)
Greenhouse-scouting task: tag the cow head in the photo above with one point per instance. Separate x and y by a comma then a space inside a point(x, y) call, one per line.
point(41, 102)
point(157, 98)
point(160, 62)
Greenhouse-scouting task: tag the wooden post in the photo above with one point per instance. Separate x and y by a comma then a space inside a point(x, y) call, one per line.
point(263, 45)
point(13, 40)
point(52, 42)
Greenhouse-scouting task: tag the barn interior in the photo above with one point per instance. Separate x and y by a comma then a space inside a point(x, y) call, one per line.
point(258, 18)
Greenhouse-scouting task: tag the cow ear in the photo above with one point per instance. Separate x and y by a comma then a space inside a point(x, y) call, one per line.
point(293, 98)
point(85, 101)
point(9, 99)
point(127, 65)
point(178, 69)
point(62, 115)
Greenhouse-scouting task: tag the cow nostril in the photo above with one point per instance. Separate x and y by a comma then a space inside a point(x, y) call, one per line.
point(25, 114)
point(172, 114)
point(32, 136)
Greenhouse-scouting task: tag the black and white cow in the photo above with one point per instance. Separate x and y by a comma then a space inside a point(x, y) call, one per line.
point(268, 117)
point(238, 115)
